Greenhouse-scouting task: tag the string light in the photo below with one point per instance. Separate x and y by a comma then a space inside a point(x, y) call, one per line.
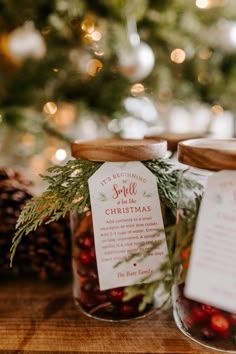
point(94, 66)
point(61, 154)
point(99, 54)
point(50, 108)
point(202, 4)
point(88, 25)
point(65, 115)
point(217, 109)
point(136, 89)
point(178, 56)
point(96, 36)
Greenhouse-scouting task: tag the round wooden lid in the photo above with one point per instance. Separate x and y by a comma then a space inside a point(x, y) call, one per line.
point(118, 149)
point(174, 138)
point(210, 154)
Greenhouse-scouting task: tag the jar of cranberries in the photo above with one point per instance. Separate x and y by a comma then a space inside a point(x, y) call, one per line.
point(118, 241)
point(205, 268)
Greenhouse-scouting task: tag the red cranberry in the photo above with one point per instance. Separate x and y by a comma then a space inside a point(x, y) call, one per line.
point(198, 315)
point(116, 294)
point(88, 286)
point(93, 274)
point(85, 257)
point(127, 310)
point(86, 301)
point(101, 296)
point(92, 253)
point(220, 323)
point(210, 310)
point(232, 318)
point(88, 241)
point(207, 332)
point(85, 241)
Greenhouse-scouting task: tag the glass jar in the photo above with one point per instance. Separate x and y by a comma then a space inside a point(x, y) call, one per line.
point(109, 281)
point(202, 307)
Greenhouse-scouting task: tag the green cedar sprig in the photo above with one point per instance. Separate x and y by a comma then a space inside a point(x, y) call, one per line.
point(68, 191)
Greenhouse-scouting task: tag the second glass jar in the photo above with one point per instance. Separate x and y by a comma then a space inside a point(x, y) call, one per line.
point(204, 323)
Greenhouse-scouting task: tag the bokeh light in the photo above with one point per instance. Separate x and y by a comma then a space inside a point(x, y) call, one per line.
point(61, 154)
point(178, 56)
point(96, 36)
point(94, 66)
point(136, 89)
point(202, 4)
point(65, 115)
point(50, 108)
point(99, 54)
point(217, 109)
point(88, 25)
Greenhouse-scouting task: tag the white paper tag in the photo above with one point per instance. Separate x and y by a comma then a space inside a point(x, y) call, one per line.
point(126, 214)
point(211, 277)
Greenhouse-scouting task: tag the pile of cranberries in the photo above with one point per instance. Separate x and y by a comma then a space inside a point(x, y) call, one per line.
point(107, 304)
point(205, 323)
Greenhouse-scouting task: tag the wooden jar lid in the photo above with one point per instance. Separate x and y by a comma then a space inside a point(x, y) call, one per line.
point(118, 149)
point(210, 154)
point(174, 138)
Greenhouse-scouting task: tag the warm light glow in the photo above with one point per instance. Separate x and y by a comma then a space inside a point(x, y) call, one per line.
point(38, 164)
point(49, 152)
point(202, 4)
point(1, 118)
point(232, 34)
point(99, 54)
point(28, 139)
point(137, 89)
point(50, 108)
point(205, 54)
point(217, 109)
point(65, 115)
point(88, 25)
point(55, 70)
point(202, 78)
point(94, 66)
point(61, 154)
point(178, 56)
point(96, 36)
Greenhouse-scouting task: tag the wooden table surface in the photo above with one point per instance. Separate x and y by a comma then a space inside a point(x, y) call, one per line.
point(39, 317)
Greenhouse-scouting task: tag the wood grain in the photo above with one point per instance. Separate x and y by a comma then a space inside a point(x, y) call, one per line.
point(38, 317)
point(119, 150)
point(174, 138)
point(210, 154)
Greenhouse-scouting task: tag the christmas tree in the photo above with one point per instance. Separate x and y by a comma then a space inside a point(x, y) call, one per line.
point(79, 69)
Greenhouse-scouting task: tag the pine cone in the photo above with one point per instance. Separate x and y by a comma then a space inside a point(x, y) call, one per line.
point(45, 252)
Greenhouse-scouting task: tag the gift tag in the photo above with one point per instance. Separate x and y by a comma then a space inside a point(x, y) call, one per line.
point(129, 234)
point(211, 276)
